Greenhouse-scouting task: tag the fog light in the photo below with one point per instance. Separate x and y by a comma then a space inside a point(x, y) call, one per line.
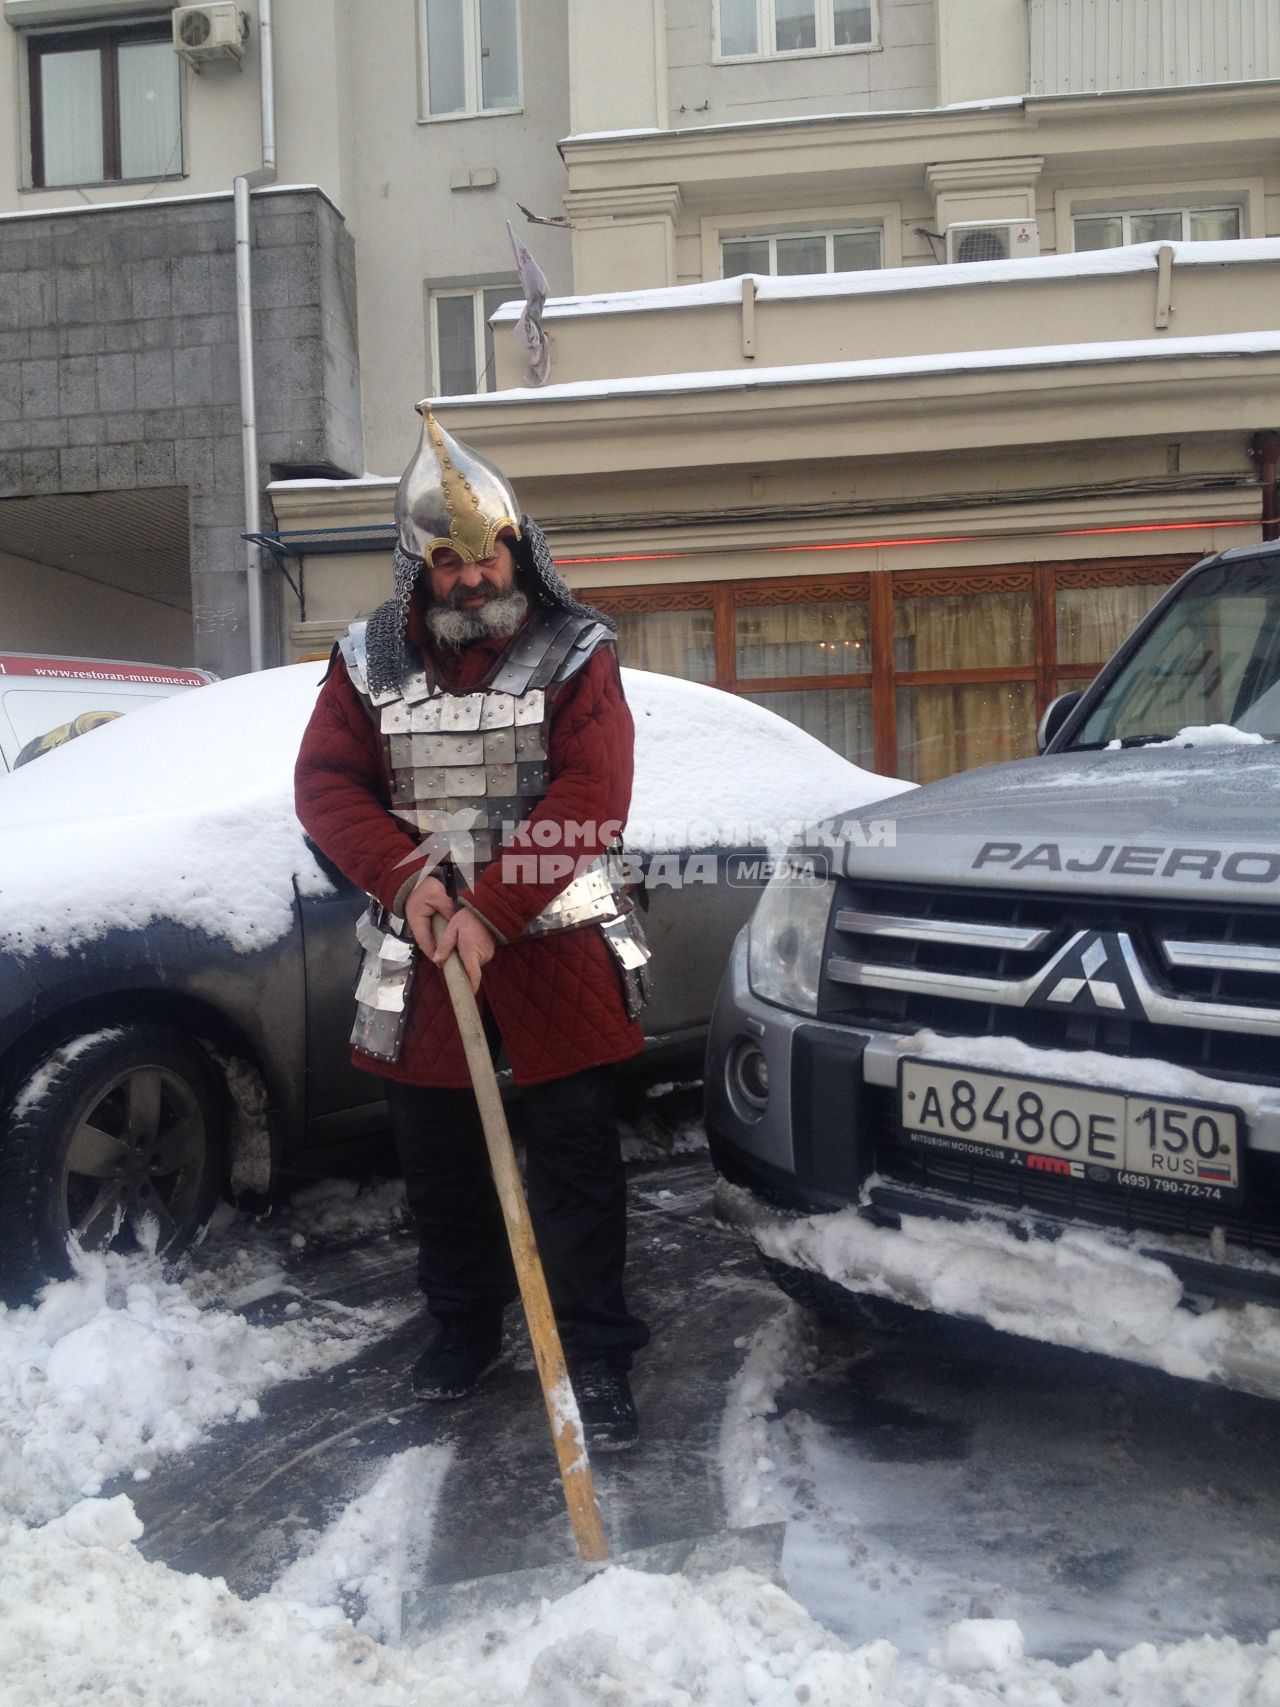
point(749, 1076)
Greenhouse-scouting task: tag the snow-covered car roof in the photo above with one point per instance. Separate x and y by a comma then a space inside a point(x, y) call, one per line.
point(184, 810)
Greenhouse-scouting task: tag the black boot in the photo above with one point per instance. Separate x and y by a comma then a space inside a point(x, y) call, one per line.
point(464, 1349)
point(608, 1412)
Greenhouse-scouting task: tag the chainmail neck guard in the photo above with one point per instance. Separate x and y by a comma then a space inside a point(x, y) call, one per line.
point(388, 628)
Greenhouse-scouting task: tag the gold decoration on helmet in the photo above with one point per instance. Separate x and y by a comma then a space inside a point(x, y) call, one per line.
point(452, 498)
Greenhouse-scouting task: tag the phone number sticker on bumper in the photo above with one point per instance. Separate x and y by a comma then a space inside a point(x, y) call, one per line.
point(1160, 1145)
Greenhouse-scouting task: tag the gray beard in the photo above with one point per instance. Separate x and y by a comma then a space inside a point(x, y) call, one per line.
point(500, 616)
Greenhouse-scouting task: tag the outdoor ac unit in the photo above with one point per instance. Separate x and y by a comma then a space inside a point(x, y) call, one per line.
point(217, 31)
point(992, 240)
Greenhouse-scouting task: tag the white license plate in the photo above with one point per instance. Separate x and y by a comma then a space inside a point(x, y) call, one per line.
point(1152, 1144)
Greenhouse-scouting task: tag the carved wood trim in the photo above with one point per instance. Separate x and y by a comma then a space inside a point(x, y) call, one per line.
point(1150, 572)
point(944, 583)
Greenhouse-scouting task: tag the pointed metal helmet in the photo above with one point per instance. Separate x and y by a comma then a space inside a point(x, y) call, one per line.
point(452, 497)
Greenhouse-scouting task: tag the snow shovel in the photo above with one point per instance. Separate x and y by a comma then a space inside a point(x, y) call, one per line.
point(758, 1549)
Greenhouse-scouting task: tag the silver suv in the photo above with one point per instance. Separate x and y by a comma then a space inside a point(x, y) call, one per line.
point(1049, 1002)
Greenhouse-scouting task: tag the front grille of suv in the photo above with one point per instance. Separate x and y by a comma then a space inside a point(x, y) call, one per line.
point(906, 959)
point(898, 956)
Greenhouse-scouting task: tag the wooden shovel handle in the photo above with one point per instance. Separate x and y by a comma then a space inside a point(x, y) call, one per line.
point(562, 1408)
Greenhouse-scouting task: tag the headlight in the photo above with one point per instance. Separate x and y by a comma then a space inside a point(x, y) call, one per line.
point(784, 944)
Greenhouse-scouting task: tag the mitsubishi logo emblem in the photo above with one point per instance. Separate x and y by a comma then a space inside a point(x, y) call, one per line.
point(1090, 976)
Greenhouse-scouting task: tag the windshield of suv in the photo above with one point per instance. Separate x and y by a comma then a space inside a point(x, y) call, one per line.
point(1214, 657)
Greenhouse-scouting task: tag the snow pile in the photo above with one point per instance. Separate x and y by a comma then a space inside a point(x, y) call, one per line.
point(378, 1543)
point(119, 1367)
point(184, 810)
point(1090, 1290)
point(622, 1640)
point(717, 772)
point(333, 1210)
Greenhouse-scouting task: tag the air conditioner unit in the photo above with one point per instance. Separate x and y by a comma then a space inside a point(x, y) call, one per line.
point(992, 240)
point(216, 31)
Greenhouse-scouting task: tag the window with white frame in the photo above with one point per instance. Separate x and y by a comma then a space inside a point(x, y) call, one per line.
point(105, 106)
point(462, 339)
point(471, 57)
point(854, 251)
point(763, 29)
point(1156, 225)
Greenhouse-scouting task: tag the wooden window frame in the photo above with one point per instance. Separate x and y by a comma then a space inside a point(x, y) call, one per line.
point(107, 42)
point(881, 589)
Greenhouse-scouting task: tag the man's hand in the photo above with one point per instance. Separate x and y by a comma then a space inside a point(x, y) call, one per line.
point(429, 897)
point(473, 940)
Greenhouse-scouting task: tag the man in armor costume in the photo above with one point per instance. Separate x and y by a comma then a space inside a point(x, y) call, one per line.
point(481, 709)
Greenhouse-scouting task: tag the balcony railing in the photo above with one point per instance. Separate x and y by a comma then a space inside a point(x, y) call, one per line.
point(1083, 47)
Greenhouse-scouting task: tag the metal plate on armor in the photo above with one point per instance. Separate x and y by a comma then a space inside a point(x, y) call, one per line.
point(531, 706)
point(499, 779)
point(466, 780)
point(395, 718)
point(461, 711)
point(500, 747)
point(528, 742)
point(499, 711)
point(401, 752)
point(531, 779)
point(424, 719)
point(449, 750)
point(415, 686)
point(423, 782)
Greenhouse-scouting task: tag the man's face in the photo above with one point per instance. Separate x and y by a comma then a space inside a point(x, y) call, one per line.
point(459, 585)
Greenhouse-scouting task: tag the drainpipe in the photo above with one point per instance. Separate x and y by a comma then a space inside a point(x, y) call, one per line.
point(1265, 451)
point(244, 185)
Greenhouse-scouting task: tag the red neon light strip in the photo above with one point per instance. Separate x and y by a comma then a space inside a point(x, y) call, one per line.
point(925, 539)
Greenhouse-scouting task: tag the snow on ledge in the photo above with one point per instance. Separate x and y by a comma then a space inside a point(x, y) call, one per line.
point(886, 367)
point(888, 281)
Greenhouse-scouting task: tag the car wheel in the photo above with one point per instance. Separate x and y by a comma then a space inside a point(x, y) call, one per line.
point(118, 1141)
point(834, 1303)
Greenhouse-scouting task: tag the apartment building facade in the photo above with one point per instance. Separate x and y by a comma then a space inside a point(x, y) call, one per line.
point(902, 350)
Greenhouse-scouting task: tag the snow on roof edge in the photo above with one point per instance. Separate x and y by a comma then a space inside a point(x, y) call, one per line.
point(1088, 263)
point(884, 367)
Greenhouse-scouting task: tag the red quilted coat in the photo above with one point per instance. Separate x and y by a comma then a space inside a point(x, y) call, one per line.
point(557, 999)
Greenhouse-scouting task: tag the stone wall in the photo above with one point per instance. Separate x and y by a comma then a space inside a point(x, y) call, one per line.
point(119, 369)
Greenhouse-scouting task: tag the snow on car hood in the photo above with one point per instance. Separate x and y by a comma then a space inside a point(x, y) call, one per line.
point(1190, 819)
point(184, 809)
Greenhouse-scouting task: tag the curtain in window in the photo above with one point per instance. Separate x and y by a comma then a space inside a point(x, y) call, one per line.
point(840, 717)
point(946, 729)
point(71, 116)
point(1092, 621)
point(827, 639)
point(150, 119)
point(673, 642)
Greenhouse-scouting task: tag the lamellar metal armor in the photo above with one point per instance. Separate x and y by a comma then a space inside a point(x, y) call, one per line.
point(464, 769)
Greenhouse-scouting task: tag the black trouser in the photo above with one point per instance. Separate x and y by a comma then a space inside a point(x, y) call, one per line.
point(577, 1198)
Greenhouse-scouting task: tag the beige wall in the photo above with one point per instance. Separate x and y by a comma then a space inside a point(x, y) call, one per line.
point(43, 609)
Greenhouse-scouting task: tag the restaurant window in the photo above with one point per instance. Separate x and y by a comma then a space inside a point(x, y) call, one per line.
point(912, 674)
point(105, 106)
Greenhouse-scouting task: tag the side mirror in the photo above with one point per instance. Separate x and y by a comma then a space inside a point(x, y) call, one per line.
point(1055, 715)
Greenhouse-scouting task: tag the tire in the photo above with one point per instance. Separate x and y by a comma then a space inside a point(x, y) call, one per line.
point(118, 1141)
point(833, 1303)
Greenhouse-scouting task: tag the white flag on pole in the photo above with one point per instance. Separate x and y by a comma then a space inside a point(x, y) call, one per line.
point(528, 329)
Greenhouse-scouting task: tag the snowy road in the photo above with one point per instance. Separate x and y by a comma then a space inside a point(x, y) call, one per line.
point(939, 1473)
